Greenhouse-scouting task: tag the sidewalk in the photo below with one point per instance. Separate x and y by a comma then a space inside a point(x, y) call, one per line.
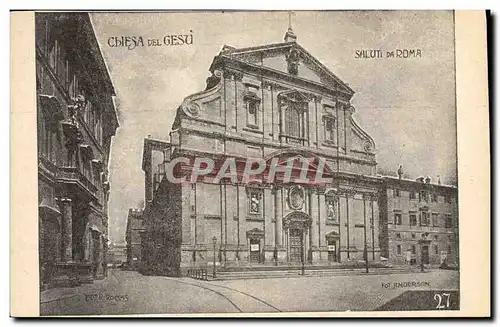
point(60, 293)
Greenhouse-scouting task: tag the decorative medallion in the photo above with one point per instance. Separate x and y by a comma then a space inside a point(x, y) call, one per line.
point(296, 197)
point(368, 146)
point(192, 109)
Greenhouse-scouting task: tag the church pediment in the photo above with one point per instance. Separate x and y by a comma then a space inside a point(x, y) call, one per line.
point(289, 58)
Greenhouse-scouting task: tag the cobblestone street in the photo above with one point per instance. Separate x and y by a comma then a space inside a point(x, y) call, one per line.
point(128, 292)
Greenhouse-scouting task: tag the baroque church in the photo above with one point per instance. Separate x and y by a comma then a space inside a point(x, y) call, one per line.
point(270, 101)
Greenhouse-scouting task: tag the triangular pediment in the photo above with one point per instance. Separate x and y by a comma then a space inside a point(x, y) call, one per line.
point(274, 57)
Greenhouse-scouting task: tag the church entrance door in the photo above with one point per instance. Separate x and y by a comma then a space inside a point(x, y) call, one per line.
point(296, 245)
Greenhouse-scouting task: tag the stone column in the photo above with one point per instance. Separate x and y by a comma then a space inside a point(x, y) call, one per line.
point(67, 230)
point(322, 218)
point(242, 223)
point(278, 217)
point(315, 222)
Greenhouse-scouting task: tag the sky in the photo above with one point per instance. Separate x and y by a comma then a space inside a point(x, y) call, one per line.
point(406, 105)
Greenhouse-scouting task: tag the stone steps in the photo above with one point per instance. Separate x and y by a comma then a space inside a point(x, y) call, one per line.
point(259, 274)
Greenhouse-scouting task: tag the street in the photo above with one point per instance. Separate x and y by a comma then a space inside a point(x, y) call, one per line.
point(128, 292)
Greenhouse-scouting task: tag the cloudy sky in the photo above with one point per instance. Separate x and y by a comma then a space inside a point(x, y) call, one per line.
point(406, 105)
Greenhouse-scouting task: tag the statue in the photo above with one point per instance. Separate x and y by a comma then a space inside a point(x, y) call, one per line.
point(400, 171)
point(254, 203)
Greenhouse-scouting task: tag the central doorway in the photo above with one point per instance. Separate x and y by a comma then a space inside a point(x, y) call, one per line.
point(296, 245)
point(425, 255)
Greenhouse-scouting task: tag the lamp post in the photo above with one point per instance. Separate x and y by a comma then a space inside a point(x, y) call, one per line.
point(214, 240)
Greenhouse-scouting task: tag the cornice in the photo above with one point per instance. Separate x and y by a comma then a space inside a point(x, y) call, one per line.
point(267, 72)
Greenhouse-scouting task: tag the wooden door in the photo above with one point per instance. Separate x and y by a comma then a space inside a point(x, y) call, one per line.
point(295, 245)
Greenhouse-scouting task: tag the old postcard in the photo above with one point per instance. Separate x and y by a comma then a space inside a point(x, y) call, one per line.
point(284, 163)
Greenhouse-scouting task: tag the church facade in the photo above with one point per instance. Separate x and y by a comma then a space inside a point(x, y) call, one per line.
point(264, 102)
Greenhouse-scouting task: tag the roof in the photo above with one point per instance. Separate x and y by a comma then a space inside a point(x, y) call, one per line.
point(396, 180)
point(239, 55)
point(152, 145)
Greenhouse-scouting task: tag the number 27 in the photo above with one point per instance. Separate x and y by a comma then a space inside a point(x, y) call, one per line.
point(439, 298)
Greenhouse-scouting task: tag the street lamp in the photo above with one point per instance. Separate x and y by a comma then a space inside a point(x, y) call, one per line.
point(214, 240)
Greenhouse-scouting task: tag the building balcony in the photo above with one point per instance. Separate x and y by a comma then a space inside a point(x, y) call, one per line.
point(72, 133)
point(295, 140)
point(73, 177)
point(52, 107)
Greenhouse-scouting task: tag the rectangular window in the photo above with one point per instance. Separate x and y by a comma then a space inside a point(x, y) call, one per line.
point(61, 65)
point(413, 195)
point(436, 249)
point(424, 218)
point(397, 219)
point(96, 175)
point(53, 52)
point(448, 222)
point(398, 249)
point(413, 235)
point(436, 238)
point(396, 193)
point(435, 220)
point(330, 129)
point(413, 249)
point(434, 197)
point(413, 219)
point(295, 123)
point(423, 196)
point(86, 167)
point(252, 107)
point(398, 236)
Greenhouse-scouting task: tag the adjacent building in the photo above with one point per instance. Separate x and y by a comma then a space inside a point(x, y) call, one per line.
point(76, 120)
point(266, 102)
point(116, 254)
point(419, 222)
point(133, 238)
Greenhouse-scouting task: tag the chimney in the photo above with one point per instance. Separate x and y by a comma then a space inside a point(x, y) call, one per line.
point(427, 180)
point(439, 179)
